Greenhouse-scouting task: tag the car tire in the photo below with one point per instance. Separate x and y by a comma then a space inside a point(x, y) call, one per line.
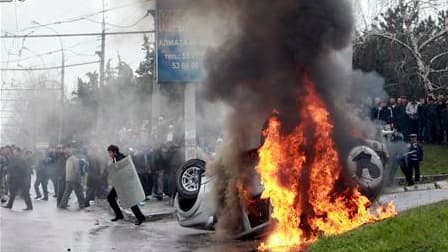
point(188, 178)
point(366, 166)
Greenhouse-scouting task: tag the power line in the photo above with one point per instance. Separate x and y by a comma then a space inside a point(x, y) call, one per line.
point(121, 26)
point(82, 17)
point(29, 89)
point(75, 34)
point(48, 68)
point(52, 52)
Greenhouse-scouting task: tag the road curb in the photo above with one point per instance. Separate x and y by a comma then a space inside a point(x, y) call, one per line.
point(424, 178)
point(418, 187)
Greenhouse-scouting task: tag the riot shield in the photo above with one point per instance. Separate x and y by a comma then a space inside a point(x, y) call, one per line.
point(126, 182)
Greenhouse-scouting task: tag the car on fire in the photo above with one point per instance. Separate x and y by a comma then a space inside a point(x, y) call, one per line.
point(196, 207)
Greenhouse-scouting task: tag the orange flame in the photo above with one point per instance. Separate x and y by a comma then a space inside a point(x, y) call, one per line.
point(300, 173)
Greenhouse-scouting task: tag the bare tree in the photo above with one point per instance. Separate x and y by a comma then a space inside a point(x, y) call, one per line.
point(409, 37)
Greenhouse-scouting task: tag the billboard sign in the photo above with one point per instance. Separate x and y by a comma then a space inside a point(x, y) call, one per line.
point(180, 52)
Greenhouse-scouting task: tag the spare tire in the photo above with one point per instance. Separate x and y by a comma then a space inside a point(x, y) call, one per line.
point(366, 166)
point(188, 178)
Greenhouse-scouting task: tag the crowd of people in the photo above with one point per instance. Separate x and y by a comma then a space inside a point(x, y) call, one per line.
point(66, 168)
point(83, 170)
point(425, 117)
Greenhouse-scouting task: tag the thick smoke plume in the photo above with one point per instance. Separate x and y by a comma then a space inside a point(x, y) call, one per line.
point(259, 68)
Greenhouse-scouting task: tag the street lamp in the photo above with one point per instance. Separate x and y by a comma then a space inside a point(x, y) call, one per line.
point(61, 115)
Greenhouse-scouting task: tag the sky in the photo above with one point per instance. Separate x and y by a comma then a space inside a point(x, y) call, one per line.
point(20, 17)
point(23, 17)
point(68, 16)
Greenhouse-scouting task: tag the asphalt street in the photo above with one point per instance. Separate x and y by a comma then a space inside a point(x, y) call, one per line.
point(49, 229)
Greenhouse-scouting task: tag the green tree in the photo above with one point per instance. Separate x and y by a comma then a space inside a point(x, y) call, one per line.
point(146, 69)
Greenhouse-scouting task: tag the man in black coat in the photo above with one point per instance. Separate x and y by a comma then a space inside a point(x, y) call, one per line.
point(59, 165)
point(441, 104)
point(384, 113)
point(444, 121)
point(94, 173)
point(41, 178)
point(401, 119)
point(18, 176)
point(159, 165)
point(432, 121)
point(116, 155)
point(142, 163)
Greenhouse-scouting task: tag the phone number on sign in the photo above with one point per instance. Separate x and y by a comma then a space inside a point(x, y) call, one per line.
point(185, 65)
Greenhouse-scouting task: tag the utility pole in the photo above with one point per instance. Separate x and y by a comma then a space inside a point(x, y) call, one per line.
point(155, 100)
point(103, 48)
point(61, 116)
point(101, 83)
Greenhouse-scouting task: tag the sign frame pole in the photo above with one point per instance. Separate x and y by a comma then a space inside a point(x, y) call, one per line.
point(155, 101)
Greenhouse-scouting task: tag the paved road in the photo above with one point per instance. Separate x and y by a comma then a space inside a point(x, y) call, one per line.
point(49, 229)
point(407, 200)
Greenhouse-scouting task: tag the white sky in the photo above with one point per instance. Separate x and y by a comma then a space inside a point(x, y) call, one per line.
point(16, 16)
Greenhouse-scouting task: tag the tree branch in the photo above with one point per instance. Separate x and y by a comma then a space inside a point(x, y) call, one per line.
point(437, 56)
point(395, 39)
point(439, 70)
point(431, 39)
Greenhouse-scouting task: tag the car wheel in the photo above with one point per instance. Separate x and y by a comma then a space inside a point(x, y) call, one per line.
point(188, 178)
point(366, 166)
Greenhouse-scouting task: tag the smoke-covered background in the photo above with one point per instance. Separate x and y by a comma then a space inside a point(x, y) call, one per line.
point(259, 51)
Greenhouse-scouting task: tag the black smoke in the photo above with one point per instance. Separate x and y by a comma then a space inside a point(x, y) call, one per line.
point(259, 67)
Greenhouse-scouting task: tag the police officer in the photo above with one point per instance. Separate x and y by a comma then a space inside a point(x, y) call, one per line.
point(415, 156)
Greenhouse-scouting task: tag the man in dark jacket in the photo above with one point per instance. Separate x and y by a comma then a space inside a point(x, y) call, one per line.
point(116, 155)
point(93, 176)
point(441, 105)
point(18, 176)
point(41, 178)
point(159, 164)
point(142, 164)
point(431, 117)
point(444, 121)
point(401, 118)
point(422, 119)
point(384, 113)
point(51, 169)
point(60, 161)
point(5, 154)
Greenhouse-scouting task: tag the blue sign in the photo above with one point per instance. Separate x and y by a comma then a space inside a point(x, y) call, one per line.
point(180, 53)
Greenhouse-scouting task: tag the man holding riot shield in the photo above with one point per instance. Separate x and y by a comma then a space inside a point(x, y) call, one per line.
point(130, 192)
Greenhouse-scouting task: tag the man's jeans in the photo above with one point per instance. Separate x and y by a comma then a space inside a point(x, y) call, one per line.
point(158, 183)
point(73, 186)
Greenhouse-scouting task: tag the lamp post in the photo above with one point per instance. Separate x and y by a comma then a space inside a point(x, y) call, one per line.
point(61, 111)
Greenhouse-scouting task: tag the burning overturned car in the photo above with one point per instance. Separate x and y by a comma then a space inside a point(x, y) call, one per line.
point(353, 187)
point(313, 174)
